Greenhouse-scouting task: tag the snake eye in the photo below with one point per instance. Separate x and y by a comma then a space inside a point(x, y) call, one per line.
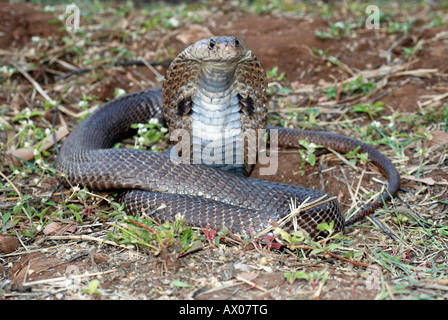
point(211, 44)
point(237, 42)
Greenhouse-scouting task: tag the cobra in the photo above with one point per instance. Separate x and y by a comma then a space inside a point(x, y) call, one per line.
point(214, 88)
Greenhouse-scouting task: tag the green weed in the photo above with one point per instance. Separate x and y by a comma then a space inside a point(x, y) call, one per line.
point(396, 26)
point(149, 134)
point(354, 156)
point(371, 109)
point(145, 233)
point(348, 88)
point(307, 154)
point(338, 30)
point(92, 289)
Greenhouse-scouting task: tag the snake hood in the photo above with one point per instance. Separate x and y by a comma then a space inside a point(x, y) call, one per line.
point(215, 90)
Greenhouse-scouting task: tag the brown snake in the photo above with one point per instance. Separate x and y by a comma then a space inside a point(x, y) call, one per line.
point(214, 88)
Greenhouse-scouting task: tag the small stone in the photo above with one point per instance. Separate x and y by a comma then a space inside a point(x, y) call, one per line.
point(9, 244)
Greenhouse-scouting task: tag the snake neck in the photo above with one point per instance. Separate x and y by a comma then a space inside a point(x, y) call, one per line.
point(216, 135)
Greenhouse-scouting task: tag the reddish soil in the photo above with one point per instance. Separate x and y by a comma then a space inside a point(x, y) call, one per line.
point(20, 22)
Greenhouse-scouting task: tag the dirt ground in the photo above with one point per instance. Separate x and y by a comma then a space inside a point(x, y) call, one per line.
point(57, 268)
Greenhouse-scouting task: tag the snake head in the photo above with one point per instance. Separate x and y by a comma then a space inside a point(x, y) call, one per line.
point(226, 50)
point(225, 55)
point(218, 58)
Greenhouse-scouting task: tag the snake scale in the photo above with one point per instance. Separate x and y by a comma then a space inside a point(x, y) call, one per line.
point(215, 90)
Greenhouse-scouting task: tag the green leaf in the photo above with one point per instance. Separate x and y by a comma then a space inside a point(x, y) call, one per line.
point(326, 227)
point(272, 73)
point(93, 288)
point(289, 277)
point(301, 275)
point(73, 207)
point(333, 246)
point(5, 218)
point(181, 284)
point(312, 159)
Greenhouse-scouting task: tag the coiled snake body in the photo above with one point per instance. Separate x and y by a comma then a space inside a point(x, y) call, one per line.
point(215, 90)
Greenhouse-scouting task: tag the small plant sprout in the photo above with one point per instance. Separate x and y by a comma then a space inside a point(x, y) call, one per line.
point(92, 289)
point(409, 52)
point(359, 85)
point(371, 109)
point(149, 134)
point(307, 156)
point(338, 30)
point(273, 74)
point(313, 277)
point(311, 116)
point(354, 156)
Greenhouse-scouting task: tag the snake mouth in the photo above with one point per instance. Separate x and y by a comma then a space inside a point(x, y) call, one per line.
point(217, 50)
